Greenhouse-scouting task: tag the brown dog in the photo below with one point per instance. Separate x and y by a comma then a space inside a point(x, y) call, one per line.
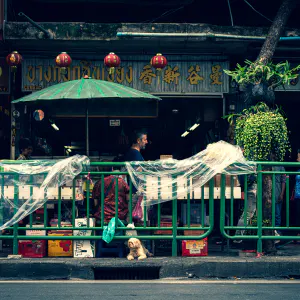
point(137, 250)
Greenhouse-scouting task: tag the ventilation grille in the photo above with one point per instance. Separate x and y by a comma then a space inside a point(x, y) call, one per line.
point(126, 273)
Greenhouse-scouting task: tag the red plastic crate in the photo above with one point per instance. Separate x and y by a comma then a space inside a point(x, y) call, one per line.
point(32, 249)
point(195, 247)
point(165, 232)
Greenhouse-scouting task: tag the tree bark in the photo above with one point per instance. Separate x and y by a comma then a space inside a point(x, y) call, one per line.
point(276, 30)
point(255, 94)
point(268, 245)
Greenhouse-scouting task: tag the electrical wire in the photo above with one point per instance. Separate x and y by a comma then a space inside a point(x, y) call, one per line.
point(167, 13)
point(257, 11)
point(229, 6)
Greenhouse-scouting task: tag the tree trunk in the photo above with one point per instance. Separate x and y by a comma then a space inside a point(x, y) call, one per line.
point(250, 97)
point(268, 245)
point(265, 55)
point(276, 30)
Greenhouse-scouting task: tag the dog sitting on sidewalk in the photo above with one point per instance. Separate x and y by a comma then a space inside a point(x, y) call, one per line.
point(137, 249)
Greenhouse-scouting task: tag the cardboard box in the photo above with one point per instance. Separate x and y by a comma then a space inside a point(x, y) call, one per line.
point(60, 248)
point(162, 157)
point(32, 249)
point(236, 191)
point(196, 184)
point(217, 180)
point(151, 187)
point(54, 223)
point(31, 232)
point(227, 180)
point(197, 193)
point(166, 188)
point(83, 248)
point(235, 181)
point(195, 247)
point(182, 188)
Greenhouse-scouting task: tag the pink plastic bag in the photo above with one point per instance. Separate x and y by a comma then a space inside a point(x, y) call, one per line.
point(137, 214)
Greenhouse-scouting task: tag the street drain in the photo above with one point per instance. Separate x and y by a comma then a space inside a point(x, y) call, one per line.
point(126, 273)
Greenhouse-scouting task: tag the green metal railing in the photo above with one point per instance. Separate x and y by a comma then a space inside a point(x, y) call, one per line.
point(228, 216)
point(175, 237)
point(261, 230)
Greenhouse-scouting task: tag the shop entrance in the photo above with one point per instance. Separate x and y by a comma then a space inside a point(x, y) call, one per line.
point(111, 136)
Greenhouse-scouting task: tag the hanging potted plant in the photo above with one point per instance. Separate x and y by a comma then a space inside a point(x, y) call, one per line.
point(259, 80)
point(263, 134)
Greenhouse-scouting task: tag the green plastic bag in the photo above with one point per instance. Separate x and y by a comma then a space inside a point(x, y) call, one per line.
point(110, 229)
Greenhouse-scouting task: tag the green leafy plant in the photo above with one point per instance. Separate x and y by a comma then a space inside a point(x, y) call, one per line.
point(261, 131)
point(273, 75)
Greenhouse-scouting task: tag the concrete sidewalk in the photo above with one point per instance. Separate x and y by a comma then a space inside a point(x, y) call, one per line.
point(285, 265)
point(203, 267)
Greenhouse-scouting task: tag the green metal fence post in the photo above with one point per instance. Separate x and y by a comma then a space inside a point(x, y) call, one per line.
point(287, 188)
point(259, 209)
point(73, 202)
point(188, 205)
point(203, 211)
point(130, 201)
point(245, 199)
point(2, 201)
point(231, 200)
point(116, 200)
point(222, 204)
point(59, 203)
point(273, 200)
point(211, 203)
point(16, 200)
point(174, 218)
point(159, 203)
point(31, 198)
point(145, 207)
point(102, 201)
point(88, 202)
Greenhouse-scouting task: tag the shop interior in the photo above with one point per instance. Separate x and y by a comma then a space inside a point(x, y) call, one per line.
point(110, 137)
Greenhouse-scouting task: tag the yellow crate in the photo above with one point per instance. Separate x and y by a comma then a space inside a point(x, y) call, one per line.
point(60, 248)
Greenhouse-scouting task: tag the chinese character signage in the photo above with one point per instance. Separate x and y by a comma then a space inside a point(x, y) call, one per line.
point(4, 77)
point(183, 74)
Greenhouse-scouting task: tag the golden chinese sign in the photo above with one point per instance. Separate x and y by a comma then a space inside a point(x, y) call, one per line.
point(193, 75)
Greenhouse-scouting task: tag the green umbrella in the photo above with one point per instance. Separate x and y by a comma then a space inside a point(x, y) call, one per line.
point(90, 90)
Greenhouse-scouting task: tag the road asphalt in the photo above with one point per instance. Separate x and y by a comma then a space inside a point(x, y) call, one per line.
point(149, 290)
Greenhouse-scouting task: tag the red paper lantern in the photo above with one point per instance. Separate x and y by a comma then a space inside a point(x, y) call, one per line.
point(112, 61)
point(13, 60)
point(158, 62)
point(63, 61)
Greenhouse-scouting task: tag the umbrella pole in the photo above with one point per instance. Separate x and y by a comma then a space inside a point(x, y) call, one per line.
point(87, 130)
